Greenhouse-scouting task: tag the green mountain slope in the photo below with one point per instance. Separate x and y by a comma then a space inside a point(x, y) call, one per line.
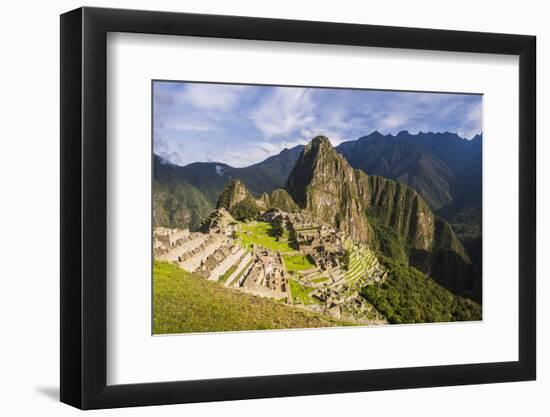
point(179, 204)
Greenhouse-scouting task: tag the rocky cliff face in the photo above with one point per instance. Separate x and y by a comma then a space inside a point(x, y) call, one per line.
point(278, 199)
point(400, 208)
point(324, 184)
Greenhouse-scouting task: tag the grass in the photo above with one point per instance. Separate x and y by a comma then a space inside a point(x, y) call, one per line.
point(228, 273)
point(185, 303)
point(240, 274)
point(300, 293)
point(319, 280)
point(361, 261)
point(297, 262)
point(259, 233)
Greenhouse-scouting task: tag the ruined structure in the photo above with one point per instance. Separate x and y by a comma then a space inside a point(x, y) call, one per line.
point(340, 265)
point(266, 276)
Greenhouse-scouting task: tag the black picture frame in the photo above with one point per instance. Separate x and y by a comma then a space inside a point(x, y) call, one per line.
point(84, 207)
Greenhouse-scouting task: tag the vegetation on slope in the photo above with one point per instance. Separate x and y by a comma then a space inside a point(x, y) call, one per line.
point(386, 239)
point(300, 293)
point(245, 210)
point(467, 226)
point(179, 205)
point(184, 303)
point(408, 296)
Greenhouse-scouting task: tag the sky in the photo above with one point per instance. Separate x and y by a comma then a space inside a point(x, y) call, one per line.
point(240, 125)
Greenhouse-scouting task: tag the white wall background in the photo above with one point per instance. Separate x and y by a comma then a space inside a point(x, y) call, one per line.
point(29, 176)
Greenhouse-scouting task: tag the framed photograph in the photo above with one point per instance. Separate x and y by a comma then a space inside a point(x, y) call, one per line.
point(259, 208)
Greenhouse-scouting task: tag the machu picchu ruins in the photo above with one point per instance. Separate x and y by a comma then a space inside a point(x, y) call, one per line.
point(225, 251)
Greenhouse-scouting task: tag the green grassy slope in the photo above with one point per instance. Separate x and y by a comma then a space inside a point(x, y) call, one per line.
point(184, 303)
point(179, 205)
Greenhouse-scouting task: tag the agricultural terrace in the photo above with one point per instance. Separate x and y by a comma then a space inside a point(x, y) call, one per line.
point(362, 261)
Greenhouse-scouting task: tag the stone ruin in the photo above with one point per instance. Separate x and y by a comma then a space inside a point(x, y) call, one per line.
point(219, 221)
point(215, 252)
point(165, 238)
point(267, 276)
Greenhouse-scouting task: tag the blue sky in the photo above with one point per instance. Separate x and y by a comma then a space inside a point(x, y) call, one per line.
point(240, 125)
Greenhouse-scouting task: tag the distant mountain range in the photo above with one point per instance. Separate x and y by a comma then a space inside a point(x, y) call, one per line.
point(443, 168)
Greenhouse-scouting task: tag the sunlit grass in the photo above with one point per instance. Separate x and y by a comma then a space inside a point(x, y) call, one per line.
point(300, 293)
point(297, 262)
point(259, 233)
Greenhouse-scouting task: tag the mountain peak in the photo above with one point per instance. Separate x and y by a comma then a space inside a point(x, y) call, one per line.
point(477, 138)
point(320, 141)
point(235, 182)
point(375, 134)
point(233, 193)
point(318, 148)
point(323, 183)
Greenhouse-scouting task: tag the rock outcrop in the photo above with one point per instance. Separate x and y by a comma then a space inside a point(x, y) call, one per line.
point(324, 184)
point(233, 193)
point(279, 199)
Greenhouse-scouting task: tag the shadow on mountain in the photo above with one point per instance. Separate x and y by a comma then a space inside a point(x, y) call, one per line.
point(450, 270)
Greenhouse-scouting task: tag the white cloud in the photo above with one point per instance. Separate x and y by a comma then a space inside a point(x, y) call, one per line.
point(472, 124)
point(307, 134)
point(254, 154)
point(212, 96)
point(284, 111)
point(392, 121)
point(194, 126)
